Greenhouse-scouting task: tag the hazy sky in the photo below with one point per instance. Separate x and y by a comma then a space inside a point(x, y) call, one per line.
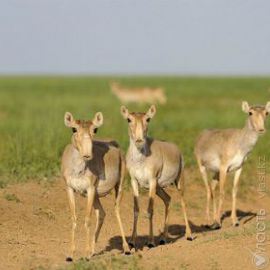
point(135, 36)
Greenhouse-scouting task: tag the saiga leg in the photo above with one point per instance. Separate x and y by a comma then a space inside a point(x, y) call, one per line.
point(222, 180)
point(135, 187)
point(150, 211)
point(180, 187)
point(90, 201)
point(71, 201)
point(208, 191)
point(166, 200)
point(118, 197)
point(213, 187)
point(100, 216)
point(237, 174)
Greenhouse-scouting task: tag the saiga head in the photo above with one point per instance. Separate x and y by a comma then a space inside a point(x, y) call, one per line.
point(83, 133)
point(138, 124)
point(257, 115)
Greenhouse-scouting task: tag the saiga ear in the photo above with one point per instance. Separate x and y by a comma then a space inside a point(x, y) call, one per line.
point(245, 106)
point(98, 119)
point(267, 106)
point(151, 112)
point(124, 111)
point(69, 120)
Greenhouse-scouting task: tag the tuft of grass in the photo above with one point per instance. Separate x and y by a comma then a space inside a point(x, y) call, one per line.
point(214, 265)
point(184, 266)
point(11, 197)
point(176, 206)
point(3, 184)
point(244, 231)
point(41, 268)
point(109, 263)
point(48, 213)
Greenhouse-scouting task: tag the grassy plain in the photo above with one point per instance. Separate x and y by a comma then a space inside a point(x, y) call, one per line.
point(33, 135)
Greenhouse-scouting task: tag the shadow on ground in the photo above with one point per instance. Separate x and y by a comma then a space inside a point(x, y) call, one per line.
point(241, 215)
point(176, 232)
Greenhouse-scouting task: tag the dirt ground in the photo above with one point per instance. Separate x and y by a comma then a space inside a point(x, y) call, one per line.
point(35, 230)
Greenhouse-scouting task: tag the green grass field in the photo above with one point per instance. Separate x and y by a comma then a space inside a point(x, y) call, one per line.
point(33, 135)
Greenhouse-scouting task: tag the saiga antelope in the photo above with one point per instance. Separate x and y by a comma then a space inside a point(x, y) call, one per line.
point(224, 151)
point(92, 168)
point(154, 165)
point(138, 94)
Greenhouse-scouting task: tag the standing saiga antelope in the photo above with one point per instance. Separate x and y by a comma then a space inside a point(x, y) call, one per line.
point(224, 151)
point(92, 168)
point(154, 165)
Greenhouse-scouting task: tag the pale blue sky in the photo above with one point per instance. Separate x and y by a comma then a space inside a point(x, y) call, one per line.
point(230, 37)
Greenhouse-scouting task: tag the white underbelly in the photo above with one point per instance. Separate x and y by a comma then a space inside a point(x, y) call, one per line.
point(167, 179)
point(105, 186)
point(236, 162)
point(79, 184)
point(164, 179)
point(142, 176)
point(212, 164)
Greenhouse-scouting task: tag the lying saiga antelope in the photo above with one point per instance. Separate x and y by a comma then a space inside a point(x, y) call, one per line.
point(92, 168)
point(154, 165)
point(224, 151)
point(139, 94)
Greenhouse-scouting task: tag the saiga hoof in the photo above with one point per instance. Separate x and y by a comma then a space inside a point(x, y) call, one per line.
point(127, 252)
point(237, 223)
point(162, 242)
point(151, 245)
point(215, 226)
point(131, 245)
point(190, 238)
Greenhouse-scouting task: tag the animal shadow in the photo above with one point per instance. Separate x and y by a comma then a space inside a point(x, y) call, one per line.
point(176, 232)
point(241, 215)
